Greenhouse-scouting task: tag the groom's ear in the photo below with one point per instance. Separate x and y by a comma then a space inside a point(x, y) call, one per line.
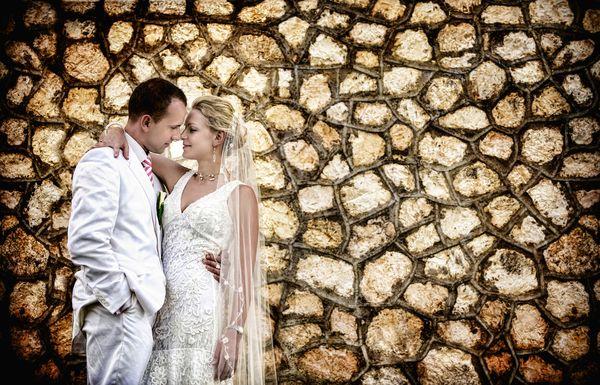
point(145, 122)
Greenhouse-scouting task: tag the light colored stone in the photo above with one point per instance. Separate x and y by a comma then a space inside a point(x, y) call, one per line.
point(434, 183)
point(367, 148)
point(45, 101)
point(466, 300)
point(551, 201)
point(325, 51)
point(510, 273)
point(575, 88)
point(402, 81)
point(338, 112)
point(79, 29)
point(323, 234)
point(427, 13)
point(119, 36)
point(357, 82)
point(574, 254)
point(501, 209)
point(372, 114)
point(85, 62)
point(119, 7)
point(583, 129)
point(456, 37)
point(301, 155)
point(567, 301)
point(336, 169)
point(182, 33)
point(464, 6)
point(315, 93)
point(23, 254)
point(494, 313)
point(344, 324)
point(510, 111)
point(588, 198)
point(412, 112)
point(22, 88)
point(173, 63)
point(46, 144)
point(476, 179)
point(422, 239)
point(401, 136)
point(327, 364)
point(444, 365)
point(28, 301)
point(390, 10)
point(141, 68)
point(368, 34)
point(468, 118)
point(486, 81)
point(81, 106)
point(394, 335)
point(549, 103)
point(382, 275)
point(518, 176)
point(283, 118)
point(528, 330)
point(551, 12)
point(529, 73)
point(284, 79)
point(529, 232)
point(316, 198)
point(427, 298)
point(329, 137)
point(468, 334)
point(364, 193)
point(464, 62)
point(366, 59)
point(400, 175)
point(278, 220)
point(480, 245)
point(16, 166)
point(294, 31)
point(303, 304)
point(458, 222)
point(116, 93)
point(581, 165)
point(213, 7)
point(270, 173)
point(497, 145)
point(14, 130)
point(445, 150)
point(516, 46)
point(264, 11)
point(374, 234)
point(218, 33)
point(413, 211)
point(443, 93)
point(326, 273)
point(448, 265)
point(571, 344)
point(574, 52)
point(295, 337)
point(43, 198)
point(502, 14)
point(333, 20)
point(551, 42)
point(412, 45)
point(254, 82)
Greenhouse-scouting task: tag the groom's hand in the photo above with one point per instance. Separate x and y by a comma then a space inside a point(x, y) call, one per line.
point(212, 263)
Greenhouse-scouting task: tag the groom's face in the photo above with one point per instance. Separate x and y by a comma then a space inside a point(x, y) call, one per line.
point(165, 130)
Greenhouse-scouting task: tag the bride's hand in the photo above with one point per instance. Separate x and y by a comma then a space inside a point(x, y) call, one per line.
point(114, 137)
point(225, 355)
point(212, 262)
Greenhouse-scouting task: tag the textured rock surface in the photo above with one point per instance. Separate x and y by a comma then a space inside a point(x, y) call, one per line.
point(431, 164)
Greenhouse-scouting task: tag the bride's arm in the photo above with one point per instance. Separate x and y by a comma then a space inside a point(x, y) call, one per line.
point(167, 170)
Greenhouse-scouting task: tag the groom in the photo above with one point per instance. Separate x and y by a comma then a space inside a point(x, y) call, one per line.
point(115, 237)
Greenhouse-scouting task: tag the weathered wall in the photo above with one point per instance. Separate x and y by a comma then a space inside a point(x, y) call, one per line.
point(428, 171)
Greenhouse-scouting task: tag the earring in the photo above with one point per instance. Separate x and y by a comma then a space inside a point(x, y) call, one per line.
point(214, 155)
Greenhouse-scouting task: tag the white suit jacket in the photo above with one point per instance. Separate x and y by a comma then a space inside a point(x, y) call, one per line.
point(114, 234)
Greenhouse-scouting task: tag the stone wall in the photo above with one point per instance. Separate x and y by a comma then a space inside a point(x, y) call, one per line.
point(429, 172)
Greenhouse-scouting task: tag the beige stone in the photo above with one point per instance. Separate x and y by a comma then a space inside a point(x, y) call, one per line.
point(456, 37)
point(497, 145)
point(510, 111)
point(368, 34)
point(516, 46)
point(428, 298)
point(328, 136)
point(323, 234)
point(301, 155)
point(333, 20)
point(412, 45)
point(390, 10)
point(448, 265)
point(167, 7)
point(119, 36)
point(295, 337)
point(294, 30)
point(551, 201)
point(337, 168)
point(367, 148)
point(476, 179)
point(303, 304)
point(501, 209)
point(413, 211)
point(259, 50)
point(116, 93)
point(581, 165)
point(567, 301)
point(468, 334)
point(23, 254)
point(529, 73)
point(270, 173)
point(486, 81)
point(278, 220)
point(502, 14)
point(422, 239)
point(549, 103)
point(528, 329)
point(518, 176)
point(44, 102)
point(315, 93)
point(44, 196)
point(413, 113)
point(85, 62)
point(317, 198)
point(22, 54)
point(401, 136)
point(264, 11)
point(79, 29)
point(591, 20)
point(400, 175)
point(283, 118)
point(372, 114)
point(325, 51)
point(365, 238)
point(427, 13)
point(469, 118)
point(79, 143)
point(529, 232)
point(575, 88)
point(213, 7)
point(81, 105)
point(571, 344)
point(464, 6)
point(394, 335)
point(444, 150)
point(329, 364)
point(480, 245)
point(444, 365)
point(16, 166)
point(356, 83)
point(28, 301)
point(382, 275)
point(326, 273)
point(509, 273)
point(573, 254)
point(14, 130)
point(458, 222)
point(364, 193)
point(402, 81)
point(22, 88)
point(26, 343)
point(344, 324)
point(466, 300)
point(551, 12)
point(367, 59)
point(443, 93)
point(583, 129)
point(434, 183)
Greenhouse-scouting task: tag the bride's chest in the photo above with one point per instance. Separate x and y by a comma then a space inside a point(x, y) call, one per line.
point(204, 217)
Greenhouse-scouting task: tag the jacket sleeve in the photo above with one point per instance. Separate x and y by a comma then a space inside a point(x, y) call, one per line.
point(95, 206)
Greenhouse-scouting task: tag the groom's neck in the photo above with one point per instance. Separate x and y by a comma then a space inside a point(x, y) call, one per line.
point(135, 131)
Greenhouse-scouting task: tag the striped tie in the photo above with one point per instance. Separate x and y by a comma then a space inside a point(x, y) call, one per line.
point(147, 164)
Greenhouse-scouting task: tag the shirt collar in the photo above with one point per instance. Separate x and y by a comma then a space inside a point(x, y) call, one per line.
point(134, 146)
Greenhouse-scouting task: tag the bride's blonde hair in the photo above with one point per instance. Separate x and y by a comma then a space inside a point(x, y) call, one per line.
point(221, 116)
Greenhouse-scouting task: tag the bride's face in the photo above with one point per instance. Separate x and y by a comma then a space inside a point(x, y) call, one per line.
point(198, 139)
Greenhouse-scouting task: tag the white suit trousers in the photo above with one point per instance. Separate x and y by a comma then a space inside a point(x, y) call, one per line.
point(118, 347)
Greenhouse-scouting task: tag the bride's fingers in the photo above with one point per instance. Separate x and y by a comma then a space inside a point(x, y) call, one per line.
point(126, 150)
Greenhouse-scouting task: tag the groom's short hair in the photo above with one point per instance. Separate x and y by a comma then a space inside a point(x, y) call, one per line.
point(152, 97)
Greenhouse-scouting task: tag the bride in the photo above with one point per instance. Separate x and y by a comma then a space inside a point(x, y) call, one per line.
point(209, 332)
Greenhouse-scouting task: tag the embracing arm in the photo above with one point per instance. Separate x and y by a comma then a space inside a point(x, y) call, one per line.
point(95, 207)
point(167, 170)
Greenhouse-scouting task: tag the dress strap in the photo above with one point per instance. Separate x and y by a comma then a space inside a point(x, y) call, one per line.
point(182, 181)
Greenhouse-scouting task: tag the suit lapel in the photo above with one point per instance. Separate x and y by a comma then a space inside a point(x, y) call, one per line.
point(142, 178)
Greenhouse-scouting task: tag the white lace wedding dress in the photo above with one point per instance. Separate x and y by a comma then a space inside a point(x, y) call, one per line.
point(183, 331)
